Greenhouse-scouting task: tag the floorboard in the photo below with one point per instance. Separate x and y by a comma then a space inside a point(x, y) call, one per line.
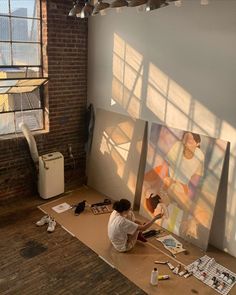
point(36, 262)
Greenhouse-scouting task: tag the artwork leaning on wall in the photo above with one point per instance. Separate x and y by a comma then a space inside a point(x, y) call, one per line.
point(182, 177)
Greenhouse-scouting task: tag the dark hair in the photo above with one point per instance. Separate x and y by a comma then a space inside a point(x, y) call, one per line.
point(196, 137)
point(122, 205)
point(152, 202)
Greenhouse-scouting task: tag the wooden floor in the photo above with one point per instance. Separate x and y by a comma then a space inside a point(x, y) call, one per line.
point(33, 261)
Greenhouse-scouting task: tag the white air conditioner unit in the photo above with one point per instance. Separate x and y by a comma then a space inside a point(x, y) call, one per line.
point(51, 175)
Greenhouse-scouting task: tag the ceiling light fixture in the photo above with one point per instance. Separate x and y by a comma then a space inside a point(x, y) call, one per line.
point(77, 8)
point(155, 4)
point(119, 3)
point(73, 9)
point(99, 6)
point(134, 3)
point(84, 8)
point(87, 10)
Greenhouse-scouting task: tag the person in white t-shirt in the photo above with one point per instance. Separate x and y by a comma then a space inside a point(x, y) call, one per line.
point(185, 162)
point(123, 229)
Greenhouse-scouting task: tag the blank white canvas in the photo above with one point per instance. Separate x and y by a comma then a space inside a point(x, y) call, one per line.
point(115, 154)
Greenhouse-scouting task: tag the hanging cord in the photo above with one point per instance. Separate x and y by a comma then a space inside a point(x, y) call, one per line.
point(73, 170)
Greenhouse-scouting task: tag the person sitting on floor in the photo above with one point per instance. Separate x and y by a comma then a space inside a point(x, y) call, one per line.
point(123, 229)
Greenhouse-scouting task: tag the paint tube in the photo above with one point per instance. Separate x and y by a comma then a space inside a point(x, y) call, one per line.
point(187, 275)
point(183, 272)
point(163, 277)
point(177, 269)
point(170, 265)
point(161, 262)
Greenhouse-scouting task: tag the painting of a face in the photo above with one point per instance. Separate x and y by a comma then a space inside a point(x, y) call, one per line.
point(189, 142)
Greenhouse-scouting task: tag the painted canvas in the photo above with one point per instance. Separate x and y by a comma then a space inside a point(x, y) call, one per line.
point(182, 176)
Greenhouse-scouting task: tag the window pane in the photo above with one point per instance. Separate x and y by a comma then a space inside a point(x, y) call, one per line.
point(28, 8)
point(7, 123)
point(20, 72)
point(4, 29)
point(32, 72)
point(5, 54)
point(25, 30)
point(3, 102)
point(4, 7)
point(26, 54)
point(25, 101)
point(34, 119)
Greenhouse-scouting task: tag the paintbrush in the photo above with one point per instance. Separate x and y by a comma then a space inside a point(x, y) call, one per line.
point(161, 262)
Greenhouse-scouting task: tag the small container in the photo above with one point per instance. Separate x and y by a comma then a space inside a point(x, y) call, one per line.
point(154, 277)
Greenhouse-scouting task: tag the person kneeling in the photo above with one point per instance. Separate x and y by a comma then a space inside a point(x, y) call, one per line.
point(123, 229)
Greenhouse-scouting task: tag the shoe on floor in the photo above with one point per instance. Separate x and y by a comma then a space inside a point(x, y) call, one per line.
point(44, 220)
point(80, 207)
point(51, 225)
point(141, 238)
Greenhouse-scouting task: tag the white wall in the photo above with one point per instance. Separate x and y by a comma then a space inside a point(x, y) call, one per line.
point(176, 66)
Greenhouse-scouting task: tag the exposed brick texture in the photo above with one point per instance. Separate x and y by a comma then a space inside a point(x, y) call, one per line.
point(65, 61)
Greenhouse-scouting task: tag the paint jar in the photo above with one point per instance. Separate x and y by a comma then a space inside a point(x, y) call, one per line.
point(154, 277)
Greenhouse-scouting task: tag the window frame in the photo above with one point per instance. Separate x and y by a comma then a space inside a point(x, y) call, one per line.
point(26, 67)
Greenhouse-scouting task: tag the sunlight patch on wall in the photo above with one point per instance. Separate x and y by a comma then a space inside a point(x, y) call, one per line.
point(206, 120)
point(176, 118)
point(118, 68)
point(156, 102)
point(132, 103)
point(179, 97)
point(158, 79)
point(178, 106)
point(157, 89)
point(175, 107)
point(119, 46)
point(127, 76)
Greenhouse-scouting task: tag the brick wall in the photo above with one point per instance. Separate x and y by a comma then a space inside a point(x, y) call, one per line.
point(65, 61)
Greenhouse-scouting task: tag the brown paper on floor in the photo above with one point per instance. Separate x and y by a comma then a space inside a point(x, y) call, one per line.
point(137, 264)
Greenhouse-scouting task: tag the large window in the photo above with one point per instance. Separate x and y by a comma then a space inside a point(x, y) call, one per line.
point(20, 57)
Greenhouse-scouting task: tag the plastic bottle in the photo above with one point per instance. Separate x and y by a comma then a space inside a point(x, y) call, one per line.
point(154, 277)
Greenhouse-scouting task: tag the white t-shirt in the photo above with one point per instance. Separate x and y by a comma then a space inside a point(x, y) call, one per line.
point(182, 169)
point(118, 229)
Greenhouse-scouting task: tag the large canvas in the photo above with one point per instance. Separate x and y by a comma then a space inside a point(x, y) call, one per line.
point(182, 176)
point(115, 155)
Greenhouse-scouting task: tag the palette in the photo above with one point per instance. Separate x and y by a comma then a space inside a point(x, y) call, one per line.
point(171, 244)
